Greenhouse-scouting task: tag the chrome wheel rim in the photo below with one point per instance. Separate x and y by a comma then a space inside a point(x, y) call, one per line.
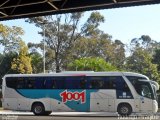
point(38, 109)
point(124, 110)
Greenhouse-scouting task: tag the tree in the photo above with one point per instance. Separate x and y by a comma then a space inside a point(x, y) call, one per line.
point(22, 63)
point(145, 42)
point(5, 63)
point(3, 30)
point(10, 37)
point(156, 58)
point(91, 64)
point(119, 57)
point(141, 61)
point(100, 46)
point(37, 62)
point(9, 40)
point(63, 31)
point(90, 27)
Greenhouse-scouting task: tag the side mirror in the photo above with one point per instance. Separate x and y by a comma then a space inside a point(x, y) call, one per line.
point(155, 85)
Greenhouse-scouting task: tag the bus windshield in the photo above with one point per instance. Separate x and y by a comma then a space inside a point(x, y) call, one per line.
point(143, 87)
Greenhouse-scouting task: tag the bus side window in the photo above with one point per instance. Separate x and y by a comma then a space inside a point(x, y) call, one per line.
point(126, 88)
point(49, 83)
point(20, 83)
point(97, 82)
point(11, 82)
point(101, 84)
point(76, 82)
point(54, 84)
point(39, 82)
point(83, 84)
point(92, 84)
point(112, 82)
point(73, 82)
point(30, 83)
point(59, 82)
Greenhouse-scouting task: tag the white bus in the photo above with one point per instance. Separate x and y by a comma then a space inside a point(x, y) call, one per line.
point(122, 92)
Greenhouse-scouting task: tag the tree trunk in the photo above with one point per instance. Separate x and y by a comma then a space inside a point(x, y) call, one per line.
point(57, 63)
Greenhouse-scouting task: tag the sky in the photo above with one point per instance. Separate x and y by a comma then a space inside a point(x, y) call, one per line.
point(121, 23)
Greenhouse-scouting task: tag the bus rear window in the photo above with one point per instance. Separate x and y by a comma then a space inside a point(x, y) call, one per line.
point(11, 82)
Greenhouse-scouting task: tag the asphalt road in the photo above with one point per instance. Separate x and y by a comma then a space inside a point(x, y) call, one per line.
point(57, 118)
point(10, 115)
point(62, 117)
point(51, 117)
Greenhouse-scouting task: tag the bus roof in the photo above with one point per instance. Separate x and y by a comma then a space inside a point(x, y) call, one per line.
point(79, 73)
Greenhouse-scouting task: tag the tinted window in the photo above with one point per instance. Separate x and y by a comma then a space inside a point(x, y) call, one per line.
point(106, 82)
point(30, 83)
point(115, 82)
point(83, 83)
point(75, 83)
point(122, 89)
point(96, 82)
point(112, 82)
point(70, 82)
point(59, 82)
point(11, 82)
point(134, 79)
point(49, 83)
point(20, 83)
point(38, 82)
point(144, 89)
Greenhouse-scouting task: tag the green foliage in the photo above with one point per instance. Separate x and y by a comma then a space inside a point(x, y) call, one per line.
point(156, 58)
point(102, 46)
point(5, 63)
point(62, 31)
point(91, 64)
point(37, 62)
point(144, 58)
point(3, 31)
point(10, 37)
point(144, 42)
point(22, 63)
point(141, 61)
point(90, 27)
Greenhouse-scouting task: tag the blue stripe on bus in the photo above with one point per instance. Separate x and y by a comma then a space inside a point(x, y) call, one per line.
point(55, 94)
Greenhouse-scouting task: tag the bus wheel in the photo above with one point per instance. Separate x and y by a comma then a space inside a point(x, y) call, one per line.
point(124, 109)
point(47, 112)
point(38, 109)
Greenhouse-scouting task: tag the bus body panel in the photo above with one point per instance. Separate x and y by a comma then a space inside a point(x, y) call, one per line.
point(105, 103)
point(103, 100)
point(97, 100)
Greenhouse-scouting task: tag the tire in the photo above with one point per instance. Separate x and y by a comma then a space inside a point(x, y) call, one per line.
point(124, 109)
point(38, 109)
point(47, 113)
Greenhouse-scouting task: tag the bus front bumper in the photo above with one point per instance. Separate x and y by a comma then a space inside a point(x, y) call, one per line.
point(155, 106)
